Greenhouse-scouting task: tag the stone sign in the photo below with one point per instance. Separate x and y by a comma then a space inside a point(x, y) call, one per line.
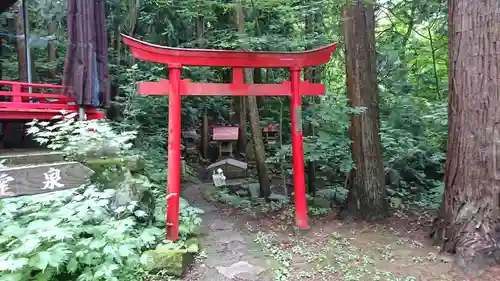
point(36, 179)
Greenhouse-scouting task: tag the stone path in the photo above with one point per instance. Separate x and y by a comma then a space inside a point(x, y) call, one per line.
point(229, 250)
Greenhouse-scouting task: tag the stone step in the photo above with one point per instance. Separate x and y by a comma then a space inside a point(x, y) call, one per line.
point(29, 157)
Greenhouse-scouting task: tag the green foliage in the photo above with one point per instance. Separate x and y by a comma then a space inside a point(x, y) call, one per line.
point(72, 234)
point(75, 235)
point(81, 139)
point(97, 232)
point(412, 61)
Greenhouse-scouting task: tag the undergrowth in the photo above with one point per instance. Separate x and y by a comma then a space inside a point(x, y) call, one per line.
point(94, 232)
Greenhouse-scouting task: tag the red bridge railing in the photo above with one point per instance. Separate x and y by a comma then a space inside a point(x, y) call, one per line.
point(43, 102)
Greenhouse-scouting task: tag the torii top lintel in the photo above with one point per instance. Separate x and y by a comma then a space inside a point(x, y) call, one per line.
point(227, 58)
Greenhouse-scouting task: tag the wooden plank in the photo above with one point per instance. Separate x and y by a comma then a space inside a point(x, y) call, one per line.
point(189, 88)
point(37, 179)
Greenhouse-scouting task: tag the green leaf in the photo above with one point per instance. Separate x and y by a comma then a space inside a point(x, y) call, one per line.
point(72, 265)
point(15, 276)
point(43, 260)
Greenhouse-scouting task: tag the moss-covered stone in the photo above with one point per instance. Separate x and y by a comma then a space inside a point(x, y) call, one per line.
point(100, 165)
point(134, 163)
point(170, 259)
point(111, 171)
point(105, 171)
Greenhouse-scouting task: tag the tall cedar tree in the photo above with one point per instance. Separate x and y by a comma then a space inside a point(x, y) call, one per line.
point(253, 112)
point(469, 224)
point(367, 194)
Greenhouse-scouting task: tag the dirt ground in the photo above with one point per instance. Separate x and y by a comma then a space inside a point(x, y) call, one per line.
point(240, 247)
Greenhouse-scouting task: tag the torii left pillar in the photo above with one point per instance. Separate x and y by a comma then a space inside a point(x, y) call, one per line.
point(174, 152)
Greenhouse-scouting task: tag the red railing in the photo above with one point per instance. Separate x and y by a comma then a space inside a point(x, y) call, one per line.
point(43, 102)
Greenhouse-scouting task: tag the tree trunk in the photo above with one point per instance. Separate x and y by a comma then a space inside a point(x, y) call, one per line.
point(21, 52)
point(53, 49)
point(118, 47)
point(133, 14)
point(309, 74)
point(199, 31)
point(257, 79)
point(242, 141)
point(367, 194)
point(469, 223)
point(205, 138)
point(253, 112)
point(204, 134)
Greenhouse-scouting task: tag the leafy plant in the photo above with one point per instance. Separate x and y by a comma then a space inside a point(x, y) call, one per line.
point(70, 235)
point(84, 234)
point(81, 139)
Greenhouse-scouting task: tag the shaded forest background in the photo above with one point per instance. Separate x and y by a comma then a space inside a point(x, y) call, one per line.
point(411, 54)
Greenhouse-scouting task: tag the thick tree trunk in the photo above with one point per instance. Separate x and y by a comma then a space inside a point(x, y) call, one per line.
point(253, 112)
point(367, 195)
point(469, 224)
point(20, 50)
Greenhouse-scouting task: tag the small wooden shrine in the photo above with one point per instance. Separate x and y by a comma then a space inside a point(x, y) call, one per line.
point(271, 133)
point(226, 136)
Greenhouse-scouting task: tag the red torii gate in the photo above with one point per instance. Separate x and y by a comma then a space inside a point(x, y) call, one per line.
point(176, 58)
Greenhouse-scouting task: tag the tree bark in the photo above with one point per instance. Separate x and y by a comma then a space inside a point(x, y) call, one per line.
point(311, 74)
point(21, 52)
point(205, 138)
point(367, 195)
point(133, 15)
point(469, 224)
point(205, 135)
point(253, 112)
point(53, 48)
point(242, 141)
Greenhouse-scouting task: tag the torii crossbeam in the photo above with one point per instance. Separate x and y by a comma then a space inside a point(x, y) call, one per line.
point(176, 58)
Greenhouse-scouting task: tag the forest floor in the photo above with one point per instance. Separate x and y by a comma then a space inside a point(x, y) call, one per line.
point(237, 246)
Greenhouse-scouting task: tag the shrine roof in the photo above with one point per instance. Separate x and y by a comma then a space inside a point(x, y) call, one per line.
point(229, 161)
point(230, 58)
